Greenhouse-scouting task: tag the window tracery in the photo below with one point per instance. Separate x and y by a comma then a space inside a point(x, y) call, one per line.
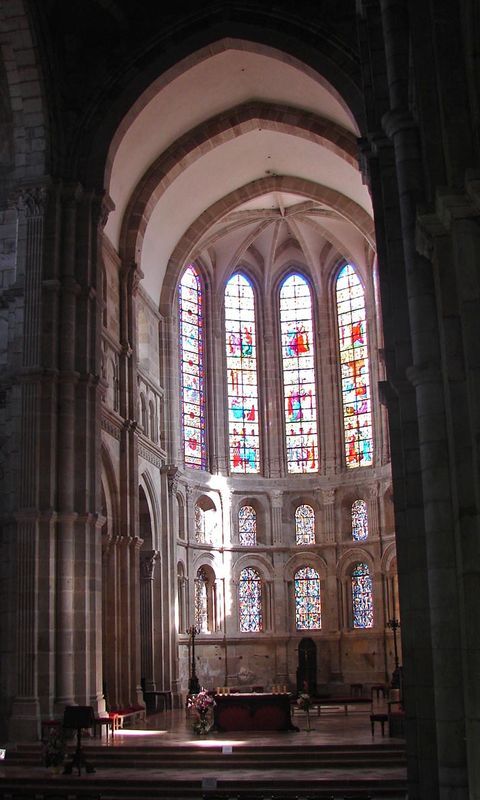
point(300, 404)
point(308, 610)
point(250, 601)
point(359, 520)
point(354, 363)
point(304, 525)
point(362, 596)
point(192, 372)
point(247, 526)
point(242, 383)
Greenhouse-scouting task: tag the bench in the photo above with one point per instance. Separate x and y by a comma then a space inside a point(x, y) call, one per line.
point(134, 713)
point(340, 701)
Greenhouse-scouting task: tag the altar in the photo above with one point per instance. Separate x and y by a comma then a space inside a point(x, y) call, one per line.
point(251, 711)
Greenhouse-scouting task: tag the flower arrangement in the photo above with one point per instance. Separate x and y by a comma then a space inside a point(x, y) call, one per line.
point(304, 702)
point(54, 750)
point(201, 704)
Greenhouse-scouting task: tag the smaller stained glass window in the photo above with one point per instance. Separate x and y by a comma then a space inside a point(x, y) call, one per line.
point(304, 525)
point(359, 520)
point(247, 526)
point(250, 600)
point(201, 601)
point(308, 611)
point(362, 597)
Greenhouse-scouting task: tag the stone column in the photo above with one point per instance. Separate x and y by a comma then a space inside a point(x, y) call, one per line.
point(277, 522)
point(26, 707)
point(328, 503)
point(135, 693)
point(147, 567)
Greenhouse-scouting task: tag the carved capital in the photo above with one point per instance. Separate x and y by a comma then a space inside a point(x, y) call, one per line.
point(328, 496)
point(173, 475)
point(277, 498)
point(147, 564)
point(101, 208)
point(132, 274)
point(32, 201)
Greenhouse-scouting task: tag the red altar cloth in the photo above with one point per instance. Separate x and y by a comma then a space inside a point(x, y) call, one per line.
point(253, 712)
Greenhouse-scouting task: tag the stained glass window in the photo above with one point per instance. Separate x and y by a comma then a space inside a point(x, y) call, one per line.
point(298, 375)
point(304, 525)
point(308, 611)
point(362, 597)
point(250, 600)
point(205, 525)
point(247, 526)
point(242, 386)
point(359, 520)
point(356, 401)
point(190, 302)
point(201, 601)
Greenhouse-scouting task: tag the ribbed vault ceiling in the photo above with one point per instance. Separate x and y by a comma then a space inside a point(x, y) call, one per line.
point(238, 155)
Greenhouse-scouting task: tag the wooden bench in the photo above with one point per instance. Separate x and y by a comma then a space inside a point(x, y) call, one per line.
point(340, 701)
point(134, 713)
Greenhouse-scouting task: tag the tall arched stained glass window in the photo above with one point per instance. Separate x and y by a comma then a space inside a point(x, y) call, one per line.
point(250, 600)
point(242, 388)
point(247, 526)
point(298, 375)
point(359, 520)
point(190, 302)
point(356, 401)
point(201, 601)
point(308, 610)
point(362, 597)
point(304, 525)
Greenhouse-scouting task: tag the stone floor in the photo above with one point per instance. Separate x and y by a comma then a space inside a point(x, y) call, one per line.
point(172, 729)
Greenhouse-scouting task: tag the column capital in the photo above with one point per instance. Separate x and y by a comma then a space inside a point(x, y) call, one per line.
point(132, 275)
point(31, 200)
point(148, 560)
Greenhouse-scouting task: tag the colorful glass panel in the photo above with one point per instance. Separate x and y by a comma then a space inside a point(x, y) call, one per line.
point(356, 399)
point(359, 520)
point(304, 525)
point(298, 375)
point(250, 600)
point(362, 597)
point(201, 602)
point(308, 610)
point(190, 304)
point(242, 387)
point(247, 526)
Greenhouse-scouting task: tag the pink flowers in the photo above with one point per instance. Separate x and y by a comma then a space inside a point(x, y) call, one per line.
point(201, 702)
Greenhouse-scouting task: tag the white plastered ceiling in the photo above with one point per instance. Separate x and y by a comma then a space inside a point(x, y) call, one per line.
point(265, 224)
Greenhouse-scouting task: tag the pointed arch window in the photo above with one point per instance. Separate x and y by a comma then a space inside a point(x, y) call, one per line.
point(362, 597)
point(300, 404)
point(308, 609)
point(250, 601)
point(190, 302)
point(247, 526)
point(359, 520)
point(242, 384)
point(201, 601)
point(304, 525)
point(356, 399)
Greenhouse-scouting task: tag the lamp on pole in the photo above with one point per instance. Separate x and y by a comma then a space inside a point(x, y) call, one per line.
point(394, 625)
point(193, 683)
